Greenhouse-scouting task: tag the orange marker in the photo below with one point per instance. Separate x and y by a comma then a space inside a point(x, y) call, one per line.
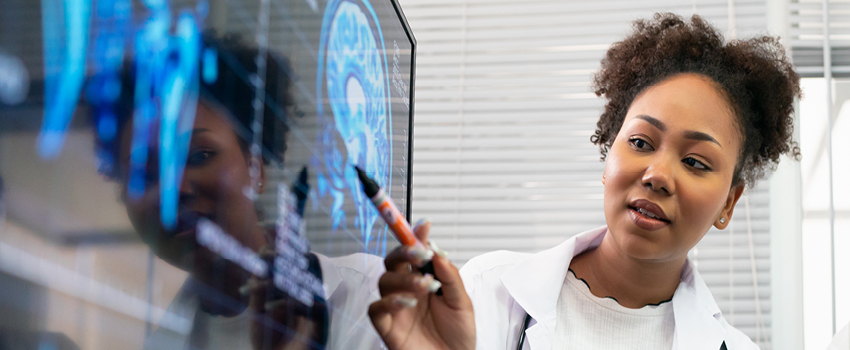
point(398, 225)
point(389, 211)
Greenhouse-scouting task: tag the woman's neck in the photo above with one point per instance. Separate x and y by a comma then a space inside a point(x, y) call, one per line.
point(634, 283)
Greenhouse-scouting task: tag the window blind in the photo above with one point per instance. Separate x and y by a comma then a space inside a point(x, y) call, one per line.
point(806, 37)
point(823, 209)
point(504, 113)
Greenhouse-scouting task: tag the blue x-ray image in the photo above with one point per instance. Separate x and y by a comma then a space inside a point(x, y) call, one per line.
point(353, 77)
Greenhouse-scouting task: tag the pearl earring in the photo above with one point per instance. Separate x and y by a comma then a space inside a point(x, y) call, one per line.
point(722, 220)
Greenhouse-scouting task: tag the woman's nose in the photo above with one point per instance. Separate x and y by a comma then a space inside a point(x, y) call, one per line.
point(659, 177)
point(187, 187)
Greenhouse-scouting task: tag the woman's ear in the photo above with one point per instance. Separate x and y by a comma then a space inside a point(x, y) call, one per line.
point(726, 214)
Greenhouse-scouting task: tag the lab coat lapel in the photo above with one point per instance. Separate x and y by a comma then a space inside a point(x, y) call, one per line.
point(696, 314)
point(539, 338)
point(535, 283)
point(330, 275)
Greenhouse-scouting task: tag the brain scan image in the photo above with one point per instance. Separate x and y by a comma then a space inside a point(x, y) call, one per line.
point(354, 115)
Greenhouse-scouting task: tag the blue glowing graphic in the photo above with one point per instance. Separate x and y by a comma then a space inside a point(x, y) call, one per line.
point(64, 68)
point(180, 99)
point(166, 77)
point(107, 127)
point(14, 80)
point(104, 90)
point(210, 68)
point(166, 90)
point(352, 66)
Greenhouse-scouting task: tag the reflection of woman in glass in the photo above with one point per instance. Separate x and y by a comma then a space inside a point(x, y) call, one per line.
point(214, 186)
point(690, 121)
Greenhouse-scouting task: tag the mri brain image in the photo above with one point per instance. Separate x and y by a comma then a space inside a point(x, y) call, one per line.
point(353, 78)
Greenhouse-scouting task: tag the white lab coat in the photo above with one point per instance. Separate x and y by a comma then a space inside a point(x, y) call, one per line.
point(505, 285)
point(841, 340)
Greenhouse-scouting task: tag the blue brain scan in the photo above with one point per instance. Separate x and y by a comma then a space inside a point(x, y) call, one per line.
point(353, 77)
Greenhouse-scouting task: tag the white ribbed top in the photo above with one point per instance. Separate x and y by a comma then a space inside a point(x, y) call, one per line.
point(589, 322)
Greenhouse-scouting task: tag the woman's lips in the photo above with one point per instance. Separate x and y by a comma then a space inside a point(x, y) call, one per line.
point(647, 215)
point(648, 209)
point(190, 233)
point(645, 222)
point(186, 224)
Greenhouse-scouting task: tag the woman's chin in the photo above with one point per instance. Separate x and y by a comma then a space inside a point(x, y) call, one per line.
point(637, 245)
point(217, 272)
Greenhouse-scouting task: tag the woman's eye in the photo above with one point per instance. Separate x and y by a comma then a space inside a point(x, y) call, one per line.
point(695, 164)
point(198, 158)
point(640, 144)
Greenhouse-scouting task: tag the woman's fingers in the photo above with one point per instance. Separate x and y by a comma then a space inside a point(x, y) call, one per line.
point(453, 290)
point(400, 258)
point(421, 230)
point(381, 312)
point(403, 257)
point(400, 282)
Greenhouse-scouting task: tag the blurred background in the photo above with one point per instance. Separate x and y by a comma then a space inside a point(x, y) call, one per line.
point(501, 115)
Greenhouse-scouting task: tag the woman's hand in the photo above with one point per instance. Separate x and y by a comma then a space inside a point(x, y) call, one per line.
point(410, 316)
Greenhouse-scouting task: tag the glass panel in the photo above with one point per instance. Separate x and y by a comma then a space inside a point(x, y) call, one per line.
point(180, 174)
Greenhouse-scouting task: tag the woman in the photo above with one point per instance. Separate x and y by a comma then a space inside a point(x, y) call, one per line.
point(229, 307)
point(690, 121)
point(212, 191)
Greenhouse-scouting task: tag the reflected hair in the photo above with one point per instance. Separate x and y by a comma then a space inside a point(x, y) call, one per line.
point(232, 92)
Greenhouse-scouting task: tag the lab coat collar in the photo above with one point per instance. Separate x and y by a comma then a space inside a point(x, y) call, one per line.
point(696, 314)
point(331, 277)
point(367, 266)
point(535, 283)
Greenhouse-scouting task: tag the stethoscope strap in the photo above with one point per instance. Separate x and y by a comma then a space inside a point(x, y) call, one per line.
point(522, 331)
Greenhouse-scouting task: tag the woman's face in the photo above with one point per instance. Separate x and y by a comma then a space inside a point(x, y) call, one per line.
point(668, 177)
point(215, 176)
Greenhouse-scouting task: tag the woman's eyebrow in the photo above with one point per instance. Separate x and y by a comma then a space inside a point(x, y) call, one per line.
point(655, 122)
point(700, 136)
point(195, 131)
point(689, 134)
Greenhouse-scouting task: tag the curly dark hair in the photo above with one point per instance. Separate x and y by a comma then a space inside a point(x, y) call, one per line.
point(754, 75)
point(232, 91)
